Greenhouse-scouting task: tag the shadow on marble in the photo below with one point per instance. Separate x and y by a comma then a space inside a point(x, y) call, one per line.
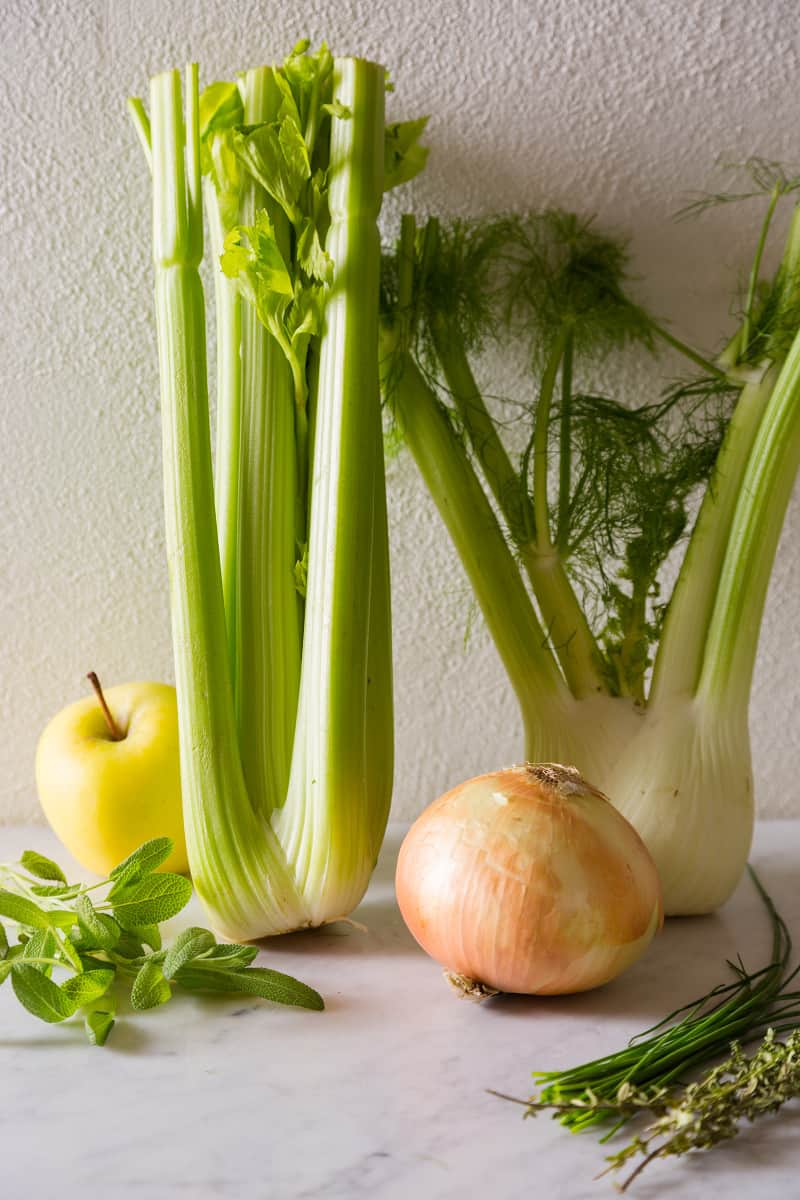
point(383, 935)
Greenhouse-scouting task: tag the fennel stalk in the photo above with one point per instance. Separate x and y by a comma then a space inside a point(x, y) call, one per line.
point(599, 498)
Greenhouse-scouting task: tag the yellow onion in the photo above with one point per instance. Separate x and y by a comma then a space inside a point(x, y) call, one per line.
point(528, 880)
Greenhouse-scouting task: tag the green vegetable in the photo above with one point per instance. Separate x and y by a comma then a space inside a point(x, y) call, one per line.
point(565, 546)
point(279, 565)
point(649, 1075)
point(100, 948)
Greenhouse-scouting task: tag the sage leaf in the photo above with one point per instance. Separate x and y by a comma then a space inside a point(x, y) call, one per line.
point(101, 930)
point(69, 953)
point(43, 998)
point(90, 963)
point(150, 988)
point(254, 981)
point(142, 862)
point(23, 911)
point(42, 868)
point(148, 935)
point(129, 947)
point(41, 945)
point(3, 941)
point(152, 900)
point(98, 1026)
point(187, 946)
point(64, 891)
point(91, 985)
point(229, 956)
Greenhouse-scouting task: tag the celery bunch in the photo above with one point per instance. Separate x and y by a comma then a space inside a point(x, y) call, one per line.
point(278, 563)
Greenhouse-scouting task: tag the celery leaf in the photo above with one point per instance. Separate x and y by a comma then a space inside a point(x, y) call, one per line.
point(403, 156)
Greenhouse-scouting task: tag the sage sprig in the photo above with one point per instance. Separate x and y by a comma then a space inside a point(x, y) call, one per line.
point(79, 953)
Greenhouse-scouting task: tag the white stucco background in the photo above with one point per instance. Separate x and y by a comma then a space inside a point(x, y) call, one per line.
point(617, 107)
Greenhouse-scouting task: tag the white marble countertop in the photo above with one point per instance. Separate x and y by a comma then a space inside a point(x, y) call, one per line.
point(385, 1093)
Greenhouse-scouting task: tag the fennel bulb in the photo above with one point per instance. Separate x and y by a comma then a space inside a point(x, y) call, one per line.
point(685, 783)
point(564, 550)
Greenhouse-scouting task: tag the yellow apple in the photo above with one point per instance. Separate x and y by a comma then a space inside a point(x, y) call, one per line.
point(107, 772)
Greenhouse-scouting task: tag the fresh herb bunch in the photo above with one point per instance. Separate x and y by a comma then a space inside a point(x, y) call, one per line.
point(711, 1110)
point(647, 1075)
point(112, 947)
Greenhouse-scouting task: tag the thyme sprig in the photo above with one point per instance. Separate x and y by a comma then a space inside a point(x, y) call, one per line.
point(711, 1110)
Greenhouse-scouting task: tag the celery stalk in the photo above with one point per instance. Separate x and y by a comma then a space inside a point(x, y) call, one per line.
point(230, 855)
point(228, 303)
point(266, 606)
point(338, 796)
point(285, 709)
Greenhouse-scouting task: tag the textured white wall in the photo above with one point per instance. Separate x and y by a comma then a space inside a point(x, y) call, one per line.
point(611, 106)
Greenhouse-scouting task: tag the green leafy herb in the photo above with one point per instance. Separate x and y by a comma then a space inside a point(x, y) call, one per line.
point(40, 995)
point(143, 861)
point(187, 945)
point(100, 931)
point(23, 911)
point(647, 1075)
point(150, 988)
point(91, 985)
point(153, 899)
point(41, 867)
point(74, 952)
point(98, 1025)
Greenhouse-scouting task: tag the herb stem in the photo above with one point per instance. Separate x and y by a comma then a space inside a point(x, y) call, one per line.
point(565, 449)
point(687, 351)
point(752, 284)
point(562, 615)
point(584, 1096)
point(521, 641)
point(541, 439)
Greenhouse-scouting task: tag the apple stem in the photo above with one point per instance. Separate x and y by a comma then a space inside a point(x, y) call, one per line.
point(116, 733)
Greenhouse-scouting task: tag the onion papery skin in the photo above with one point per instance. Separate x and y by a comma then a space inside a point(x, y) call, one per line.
point(528, 880)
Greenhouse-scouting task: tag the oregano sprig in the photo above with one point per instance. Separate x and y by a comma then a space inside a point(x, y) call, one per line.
point(76, 953)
